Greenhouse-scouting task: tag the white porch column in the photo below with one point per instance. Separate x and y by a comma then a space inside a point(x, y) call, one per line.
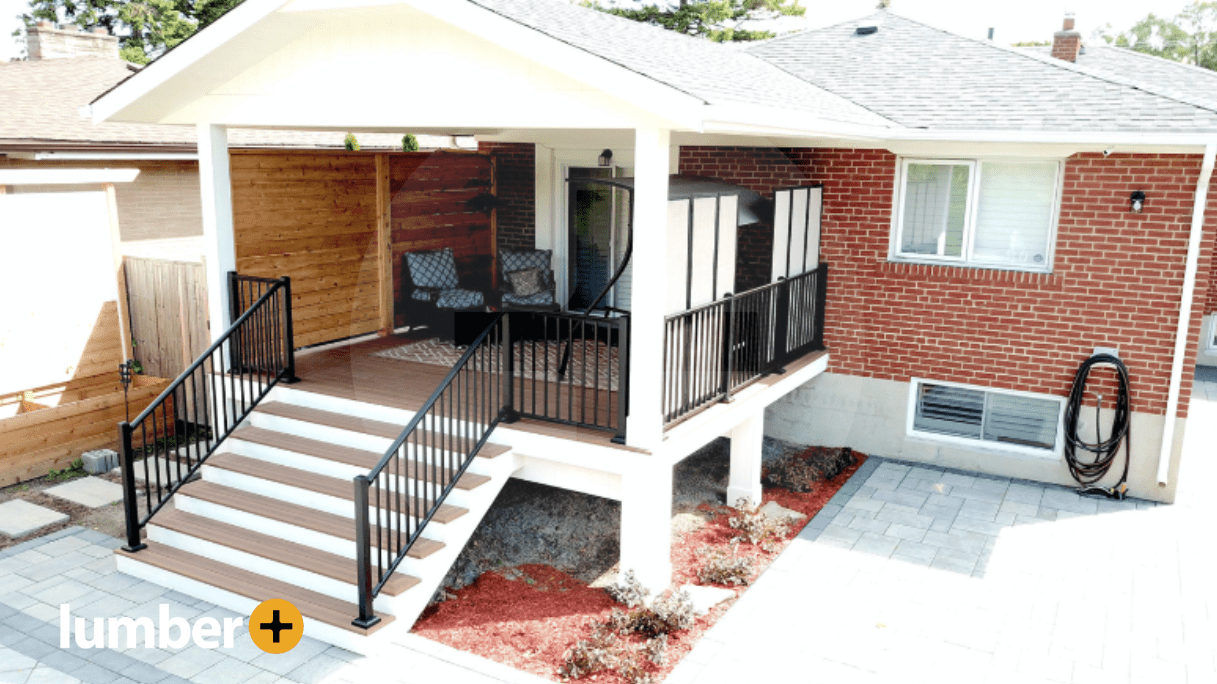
point(215, 190)
point(646, 526)
point(747, 441)
point(644, 428)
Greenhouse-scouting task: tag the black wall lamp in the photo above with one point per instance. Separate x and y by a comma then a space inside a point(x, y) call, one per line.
point(1137, 201)
point(606, 158)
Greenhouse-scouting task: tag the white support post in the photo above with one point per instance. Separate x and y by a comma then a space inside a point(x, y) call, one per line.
point(644, 428)
point(215, 191)
point(747, 442)
point(646, 525)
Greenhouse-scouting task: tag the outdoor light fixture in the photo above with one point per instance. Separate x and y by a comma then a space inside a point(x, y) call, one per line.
point(1137, 201)
point(606, 158)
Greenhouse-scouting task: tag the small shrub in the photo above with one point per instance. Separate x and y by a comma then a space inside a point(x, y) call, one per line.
point(628, 590)
point(74, 469)
point(757, 528)
point(657, 650)
point(409, 143)
point(350, 143)
point(725, 568)
point(602, 651)
point(632, 670)
point(669, 613)
point(797, 472)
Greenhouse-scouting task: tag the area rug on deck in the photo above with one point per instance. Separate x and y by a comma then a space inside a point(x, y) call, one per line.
point(587, 359)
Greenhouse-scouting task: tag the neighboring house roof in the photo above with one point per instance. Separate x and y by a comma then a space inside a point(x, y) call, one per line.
point(927, 78)
point(1154, 74)
point(708, 71)
point(40, 104)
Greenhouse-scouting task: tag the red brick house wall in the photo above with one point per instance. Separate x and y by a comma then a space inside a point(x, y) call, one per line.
point(1116, 281)
point(517, 187)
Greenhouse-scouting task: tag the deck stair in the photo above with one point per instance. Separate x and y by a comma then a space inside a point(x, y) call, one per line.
point(273, 517)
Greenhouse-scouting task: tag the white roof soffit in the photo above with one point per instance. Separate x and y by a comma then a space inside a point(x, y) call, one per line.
point(62, 176)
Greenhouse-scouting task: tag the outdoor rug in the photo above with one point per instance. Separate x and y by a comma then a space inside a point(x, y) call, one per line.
point(587, 359)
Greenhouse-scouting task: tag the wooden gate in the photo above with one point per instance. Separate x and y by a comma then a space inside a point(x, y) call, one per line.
point(168, 304)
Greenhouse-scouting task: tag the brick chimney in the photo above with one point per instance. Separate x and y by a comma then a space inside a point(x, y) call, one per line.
point(44, 41)
point(1067, 43)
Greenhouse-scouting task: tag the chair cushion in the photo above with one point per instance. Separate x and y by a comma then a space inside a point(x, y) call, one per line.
point(433, 269)
point(526, 282)
point(459, 299)
point(518, 261)
point(545, 298)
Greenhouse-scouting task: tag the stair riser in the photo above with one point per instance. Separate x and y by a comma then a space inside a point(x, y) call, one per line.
point(418, 567)
point(304, 579)
point(302, 497)
point(319, 466)
point(364, 645)
point(288, 395)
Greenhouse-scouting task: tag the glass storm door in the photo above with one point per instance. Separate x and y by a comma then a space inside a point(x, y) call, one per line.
point(597, 218)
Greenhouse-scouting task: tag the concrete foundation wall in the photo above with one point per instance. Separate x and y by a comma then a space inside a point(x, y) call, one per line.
point(869, 415)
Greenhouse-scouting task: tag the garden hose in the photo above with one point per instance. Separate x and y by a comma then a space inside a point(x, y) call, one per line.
point(1088, 472)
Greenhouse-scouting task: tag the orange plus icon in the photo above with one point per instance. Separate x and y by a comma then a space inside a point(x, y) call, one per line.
point(276, 626)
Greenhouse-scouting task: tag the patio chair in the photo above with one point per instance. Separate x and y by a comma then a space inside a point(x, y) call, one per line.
point(526, 281)
point(432, 290)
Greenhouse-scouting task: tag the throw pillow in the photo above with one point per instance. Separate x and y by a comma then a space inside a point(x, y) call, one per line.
point(526, 282)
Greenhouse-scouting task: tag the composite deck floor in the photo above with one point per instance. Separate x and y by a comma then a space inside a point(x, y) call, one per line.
point(352, 372)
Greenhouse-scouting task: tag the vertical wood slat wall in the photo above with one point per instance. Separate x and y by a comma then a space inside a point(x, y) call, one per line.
point(314, 215)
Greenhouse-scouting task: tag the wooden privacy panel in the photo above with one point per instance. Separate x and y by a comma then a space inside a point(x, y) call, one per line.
point(429, 192)
point(312, 215)
point(796, 230)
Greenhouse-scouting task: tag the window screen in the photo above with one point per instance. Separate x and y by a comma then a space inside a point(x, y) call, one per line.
point(1014, 213)
point(935, 209)
point(987, 416)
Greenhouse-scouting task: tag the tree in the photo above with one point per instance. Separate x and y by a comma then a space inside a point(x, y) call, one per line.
point(718, 20)
point(145, 28)
point(1190, 37)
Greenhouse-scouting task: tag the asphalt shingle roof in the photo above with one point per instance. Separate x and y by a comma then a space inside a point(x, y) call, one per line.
point(40, 101)
point(1154, 74)
point(923, 77)
point(711, 72)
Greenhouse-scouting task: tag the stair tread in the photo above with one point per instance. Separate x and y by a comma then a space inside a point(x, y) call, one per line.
point(254, 586)
point(313, 482)
point(275, 549)
point(345, 421)
point(292, 514)
point(359, 458)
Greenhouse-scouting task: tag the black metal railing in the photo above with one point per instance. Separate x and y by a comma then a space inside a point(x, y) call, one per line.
point(181, 428)
point(570, 368)
point(713, 350)
point(401, 494)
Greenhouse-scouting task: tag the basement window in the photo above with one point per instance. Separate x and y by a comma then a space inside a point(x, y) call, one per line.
point(970, 416)
point(974, 212)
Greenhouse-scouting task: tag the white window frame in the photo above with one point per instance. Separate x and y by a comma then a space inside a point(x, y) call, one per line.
point(1056, 452)
point(967, 258)
point(1211, 338)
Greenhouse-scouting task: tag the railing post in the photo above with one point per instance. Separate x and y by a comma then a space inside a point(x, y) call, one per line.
point(821, 304)
point(234, 312)
point(130, 503)
point(289, 338)
point(363, 555)
point(507, 369)
point(729, 347)
point(623, 376)
point(781, 327)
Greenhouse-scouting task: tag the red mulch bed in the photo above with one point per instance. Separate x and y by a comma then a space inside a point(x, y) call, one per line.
point(528, 623)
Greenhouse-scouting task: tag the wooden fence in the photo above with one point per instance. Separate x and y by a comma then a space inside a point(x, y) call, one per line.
point(168, 304)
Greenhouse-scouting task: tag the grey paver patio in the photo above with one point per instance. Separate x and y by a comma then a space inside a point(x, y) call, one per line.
point(93, 492)
point(19, 518)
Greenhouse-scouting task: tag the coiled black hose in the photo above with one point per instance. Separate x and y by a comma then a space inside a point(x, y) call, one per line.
point(1089, 472)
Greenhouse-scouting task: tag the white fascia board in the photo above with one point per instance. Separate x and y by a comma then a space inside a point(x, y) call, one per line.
point(753, 120)
point(125, 156)
point(66, 176)
point(644, 92)
point(1129, 138)
point(198, 46)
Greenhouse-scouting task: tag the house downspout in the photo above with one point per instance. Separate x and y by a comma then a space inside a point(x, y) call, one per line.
point(1185, 313)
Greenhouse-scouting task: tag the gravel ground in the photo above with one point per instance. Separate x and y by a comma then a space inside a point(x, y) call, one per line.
point(579, 534)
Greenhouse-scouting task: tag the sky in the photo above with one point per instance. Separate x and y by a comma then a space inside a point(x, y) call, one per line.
point(1013, 20)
